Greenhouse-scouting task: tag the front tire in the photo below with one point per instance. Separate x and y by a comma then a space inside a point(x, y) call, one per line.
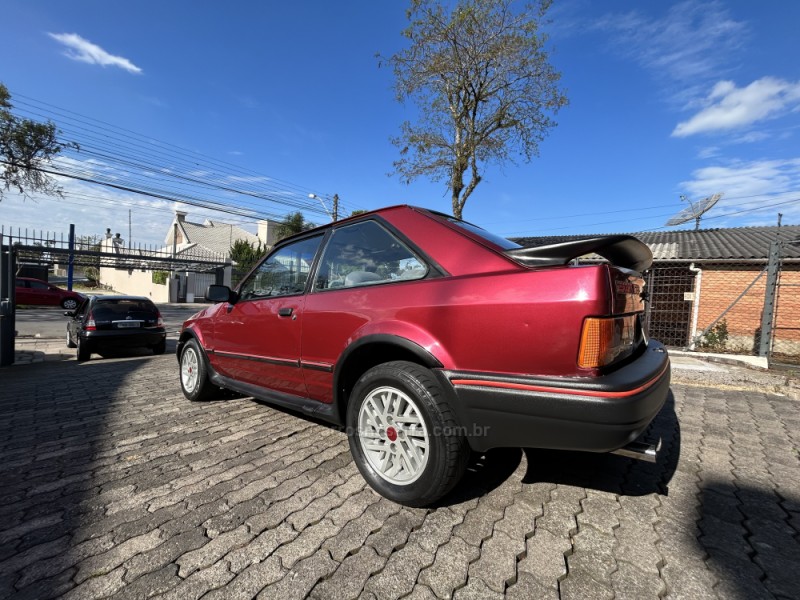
point(403, 434)
point(69, 304)
point(194, 374)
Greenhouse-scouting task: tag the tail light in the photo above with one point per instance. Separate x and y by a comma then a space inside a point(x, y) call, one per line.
point(606, 340)
point(160, 322)
point(90, 324)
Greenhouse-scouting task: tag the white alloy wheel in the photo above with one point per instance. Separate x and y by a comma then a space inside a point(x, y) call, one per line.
point(189, 369)
point(393, 435)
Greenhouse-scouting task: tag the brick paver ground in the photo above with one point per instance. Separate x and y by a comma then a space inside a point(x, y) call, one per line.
point(113, 485)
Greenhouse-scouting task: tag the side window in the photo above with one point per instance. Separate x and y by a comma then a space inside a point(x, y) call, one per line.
point(21, 283)
point(81, 310)
point(283, 273)
point(365, 254)
point(38, 285)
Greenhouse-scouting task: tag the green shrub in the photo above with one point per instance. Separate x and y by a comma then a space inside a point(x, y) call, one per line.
point(160, 277)
point(717, 337)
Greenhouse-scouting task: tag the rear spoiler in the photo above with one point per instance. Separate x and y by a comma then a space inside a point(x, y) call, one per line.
point(622, 250)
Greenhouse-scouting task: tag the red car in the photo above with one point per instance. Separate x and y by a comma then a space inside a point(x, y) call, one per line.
point(428, 337)
point(36, 291)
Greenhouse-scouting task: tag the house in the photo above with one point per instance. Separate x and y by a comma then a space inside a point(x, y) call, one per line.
point(701, 278)
point(215, 237)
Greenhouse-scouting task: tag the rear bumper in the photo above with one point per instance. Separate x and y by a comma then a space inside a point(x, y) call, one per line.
point(597, 414)
point(120, 338)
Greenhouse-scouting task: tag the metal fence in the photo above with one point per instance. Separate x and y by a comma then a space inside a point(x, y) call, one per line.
point(37, 247)
point(741, 307)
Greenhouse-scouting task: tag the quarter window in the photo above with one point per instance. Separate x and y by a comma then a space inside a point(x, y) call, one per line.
point(283, 273)
point(366, 254)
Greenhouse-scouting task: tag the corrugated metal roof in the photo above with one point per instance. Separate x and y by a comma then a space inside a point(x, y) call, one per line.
point(738, 243)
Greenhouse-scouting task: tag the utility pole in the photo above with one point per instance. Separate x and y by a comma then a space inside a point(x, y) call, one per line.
point(335, 207)
point(129, 228)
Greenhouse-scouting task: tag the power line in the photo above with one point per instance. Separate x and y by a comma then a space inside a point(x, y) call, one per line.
point(754, 209)
point(138, 153)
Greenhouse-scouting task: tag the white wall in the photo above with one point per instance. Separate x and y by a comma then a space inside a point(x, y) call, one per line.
point(135, 283)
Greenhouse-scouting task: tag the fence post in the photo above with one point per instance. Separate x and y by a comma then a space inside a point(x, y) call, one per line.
point(71, 262)
point(768, 314)
point(7, 302)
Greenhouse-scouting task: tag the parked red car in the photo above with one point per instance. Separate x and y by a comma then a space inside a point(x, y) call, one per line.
point(427, 337)
point(36, 291)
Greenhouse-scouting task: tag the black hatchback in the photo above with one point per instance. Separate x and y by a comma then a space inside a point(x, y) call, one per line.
point(103, 323)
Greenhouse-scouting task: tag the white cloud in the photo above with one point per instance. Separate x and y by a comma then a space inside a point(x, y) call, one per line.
point(708, 152)
point(83, 50)
point(752, 190)
point(692, 43)
point(731, 107)
point(752, 137)
point(746, 178)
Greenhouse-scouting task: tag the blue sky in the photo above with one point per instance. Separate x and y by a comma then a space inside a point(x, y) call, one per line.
point(666, 98)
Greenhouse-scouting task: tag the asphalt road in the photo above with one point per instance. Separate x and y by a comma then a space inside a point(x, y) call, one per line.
point(114, 485)
point(50, 322)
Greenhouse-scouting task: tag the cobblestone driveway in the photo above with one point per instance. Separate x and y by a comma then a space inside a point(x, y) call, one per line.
point(114, 485)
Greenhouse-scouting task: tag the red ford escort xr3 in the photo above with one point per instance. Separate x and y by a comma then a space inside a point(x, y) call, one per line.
point(428, 337)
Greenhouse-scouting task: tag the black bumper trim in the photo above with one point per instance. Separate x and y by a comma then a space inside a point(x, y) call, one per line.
point(597, 414)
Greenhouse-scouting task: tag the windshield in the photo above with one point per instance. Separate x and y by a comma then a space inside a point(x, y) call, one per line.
point(491, 237)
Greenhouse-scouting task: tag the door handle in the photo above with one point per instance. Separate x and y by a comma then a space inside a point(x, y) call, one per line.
point(285, 311)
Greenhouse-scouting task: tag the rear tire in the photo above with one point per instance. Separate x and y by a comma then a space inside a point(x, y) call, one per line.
point(194, 374)
point(84, 352)
point(403, 434)
point(69, 304)
point(160, 347)
point(70, 343)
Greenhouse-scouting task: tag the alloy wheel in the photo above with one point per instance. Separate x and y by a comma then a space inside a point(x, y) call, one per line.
point(393, 435)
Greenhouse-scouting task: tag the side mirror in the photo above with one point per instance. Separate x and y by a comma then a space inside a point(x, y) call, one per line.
point(220, 293)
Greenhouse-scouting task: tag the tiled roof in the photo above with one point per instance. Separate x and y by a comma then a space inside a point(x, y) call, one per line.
point(738, 243)
point(216, 237)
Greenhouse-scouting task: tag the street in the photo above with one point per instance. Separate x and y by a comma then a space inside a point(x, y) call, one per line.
point(115, 485)
point(50, 322)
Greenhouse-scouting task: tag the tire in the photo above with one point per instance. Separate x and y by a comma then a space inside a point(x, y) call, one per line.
point(69, 304)
point(70, 343)
point(403, 434)
point(194, 374)
point(84, 352)
point(160, 347)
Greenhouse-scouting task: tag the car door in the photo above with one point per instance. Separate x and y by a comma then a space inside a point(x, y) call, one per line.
point(23, 293)
point(75, 323)
point(256, 340)
point(42, 294)
point(365, 273)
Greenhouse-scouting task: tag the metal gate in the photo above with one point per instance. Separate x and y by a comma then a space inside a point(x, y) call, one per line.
point(669, 311)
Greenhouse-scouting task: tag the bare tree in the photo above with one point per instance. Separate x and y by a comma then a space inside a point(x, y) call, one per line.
point(481, 79)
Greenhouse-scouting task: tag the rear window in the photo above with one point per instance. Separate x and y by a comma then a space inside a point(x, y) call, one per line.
point(488, 236)
point(113, 310)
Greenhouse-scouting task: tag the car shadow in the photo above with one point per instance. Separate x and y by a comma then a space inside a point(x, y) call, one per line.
point(599, 471)
point(131, 352)
point(610, 472)
point(744, 534)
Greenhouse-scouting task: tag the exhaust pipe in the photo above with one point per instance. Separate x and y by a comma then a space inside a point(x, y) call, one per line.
point(640, 450)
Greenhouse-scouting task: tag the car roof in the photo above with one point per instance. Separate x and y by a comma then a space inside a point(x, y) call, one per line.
point(377, 211)
point(109, 297)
